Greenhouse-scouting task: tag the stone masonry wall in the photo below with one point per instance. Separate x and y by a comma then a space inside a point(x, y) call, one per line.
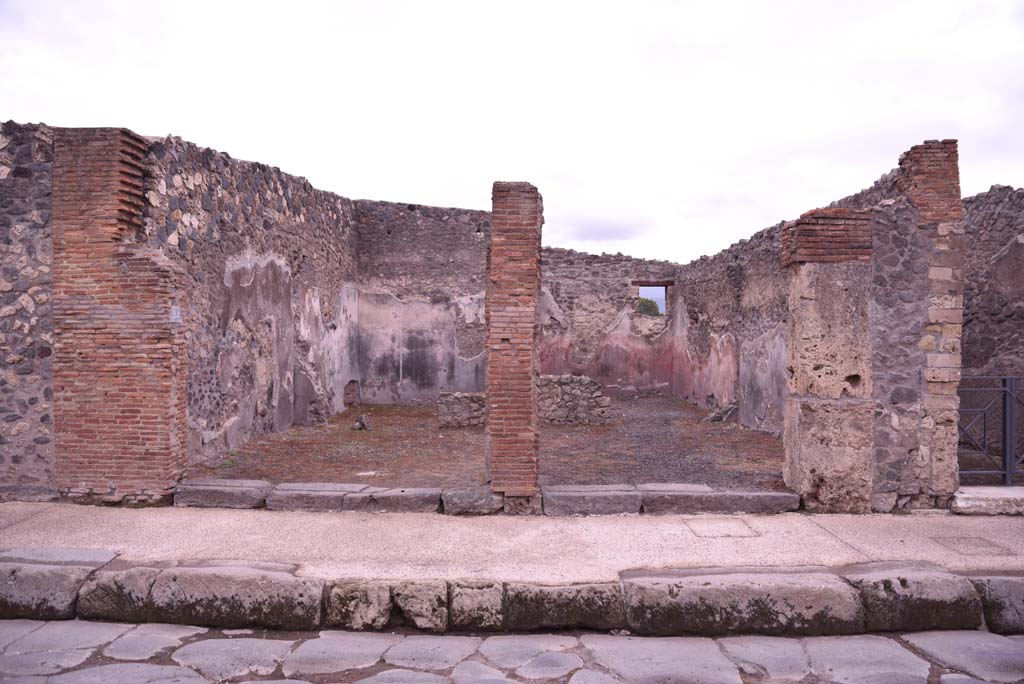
point(561, 399)
point(270, 269)
point(461, 409)
point(26, 322)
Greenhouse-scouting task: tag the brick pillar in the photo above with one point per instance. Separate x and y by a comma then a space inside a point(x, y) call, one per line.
point(119, 375)
point(932, 175)
point(513, 291)
point(829, 414)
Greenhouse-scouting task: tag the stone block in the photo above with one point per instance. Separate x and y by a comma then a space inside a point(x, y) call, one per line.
point(215, 493)
point(237, 595)
point(118, 594)
point(1003, 602)
point(43, 584)
point(743, 601)
point(398, 500)
point(476, 606)
point(311, 496)
point(591, 500)
point(989, 501)
point(684, 502)
point(471, 501)
point(580, 606)
point(424, 604)
point(902, 597)
point(359, 605)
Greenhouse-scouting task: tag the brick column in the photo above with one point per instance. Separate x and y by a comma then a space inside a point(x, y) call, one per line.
point(829, 414)
point(119, 375)
point(513, 291)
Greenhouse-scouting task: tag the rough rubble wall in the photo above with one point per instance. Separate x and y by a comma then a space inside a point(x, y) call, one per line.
point(271, 314)
point(561, 399)
point(26, 324)
point(590, 326)
point(729, 331)
point(421, 300)
point(993, 341)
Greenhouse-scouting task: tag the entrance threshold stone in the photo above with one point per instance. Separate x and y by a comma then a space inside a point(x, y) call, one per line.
point(215, 493)
point(312, 496)
point(591, 500)
point(689, 499)
point(989, 501)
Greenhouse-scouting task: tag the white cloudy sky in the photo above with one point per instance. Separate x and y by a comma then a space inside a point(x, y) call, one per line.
point(661, 129)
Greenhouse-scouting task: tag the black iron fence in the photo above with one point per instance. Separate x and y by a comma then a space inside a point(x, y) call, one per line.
point(991, 447)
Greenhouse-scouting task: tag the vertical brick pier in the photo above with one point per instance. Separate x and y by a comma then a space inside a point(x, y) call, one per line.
point(119, 372)
point(513, 291)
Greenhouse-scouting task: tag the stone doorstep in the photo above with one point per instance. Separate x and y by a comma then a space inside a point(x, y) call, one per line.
point(664, 500)
point(38, 584)
point(591, 500)
point(988, 501)
point(216, 493)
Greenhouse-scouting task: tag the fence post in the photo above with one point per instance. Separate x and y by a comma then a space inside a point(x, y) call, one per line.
point(1009, 429)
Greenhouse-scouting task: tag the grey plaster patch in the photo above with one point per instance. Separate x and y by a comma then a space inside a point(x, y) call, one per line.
point(513, 650)
point(865, 660)
point(431, 652)
point(550, 666)
point(773, 657)
point(720, 527)
point(149, 640)
point(403, 677)
point(472, 672)
point(337, 652)
point(982, 654)
point(228, 658)
point(88, 558)
point(667, 660)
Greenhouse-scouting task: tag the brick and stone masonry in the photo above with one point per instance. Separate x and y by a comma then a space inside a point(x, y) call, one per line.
point(513, 291)
point(119, 372)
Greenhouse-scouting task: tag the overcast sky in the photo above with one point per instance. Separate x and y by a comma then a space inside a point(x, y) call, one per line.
point(659, 129)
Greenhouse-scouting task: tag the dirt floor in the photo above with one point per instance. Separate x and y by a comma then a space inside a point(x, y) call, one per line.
point(651, 439)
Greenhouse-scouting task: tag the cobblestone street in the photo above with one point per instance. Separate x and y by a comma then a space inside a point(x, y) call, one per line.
point(77, 652)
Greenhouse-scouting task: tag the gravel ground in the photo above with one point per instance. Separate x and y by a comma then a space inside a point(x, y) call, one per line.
point(650, 439)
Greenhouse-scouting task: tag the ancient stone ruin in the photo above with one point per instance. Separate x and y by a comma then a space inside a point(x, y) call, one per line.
point(162, 304)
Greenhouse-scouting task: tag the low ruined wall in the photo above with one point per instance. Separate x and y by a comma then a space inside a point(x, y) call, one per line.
point(562, 399)
point(993, 341)
point(26, 324)
point(461, 409)
point(271, 312)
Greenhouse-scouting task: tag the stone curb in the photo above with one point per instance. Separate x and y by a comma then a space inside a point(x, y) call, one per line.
point(653, 498)
point(66, 583)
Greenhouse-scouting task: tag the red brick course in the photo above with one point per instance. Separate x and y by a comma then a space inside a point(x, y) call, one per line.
point(119, 375)
point(932, 176)
point(513, 291)
point(827, 235)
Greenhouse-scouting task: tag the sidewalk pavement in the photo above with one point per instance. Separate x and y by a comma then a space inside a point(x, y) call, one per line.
point(517, 549)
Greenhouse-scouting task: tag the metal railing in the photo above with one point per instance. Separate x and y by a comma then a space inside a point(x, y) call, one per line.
point(991, 430)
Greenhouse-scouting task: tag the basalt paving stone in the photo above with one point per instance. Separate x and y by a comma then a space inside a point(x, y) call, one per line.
point(865, 660)
point(129, 673)
point(726, 501)
point(12, 630)
point(220, 659)
point(222, 493)
point(591, 499)
point(149, 640)
point(510, 651)
point(773, 657)
point(592, 677)
point(403, 677)
point(57, 646)
point(662, 660)
point(471, 501)
point(471, 672)
point(311, 496)
point(336, 652)
point(431, 652)
point(984, 655)
point(550, 666)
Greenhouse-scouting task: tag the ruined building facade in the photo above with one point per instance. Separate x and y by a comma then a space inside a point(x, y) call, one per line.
point(162, 303)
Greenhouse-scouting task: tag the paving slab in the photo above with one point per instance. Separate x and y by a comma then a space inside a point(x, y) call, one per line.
point(149, 640)
point(334, 652)
point(219, 493)
point(311, 496)
point(772, 657)
point(984, 655)
point(1003, 601)
point(136, 673)
point(910, 597)
point(865, 660)
point(12, 630)
point(399, 676)
point(431, 652)
point(471, 501)
point(57, 646)
point(662, 501)
point(734, 602)
point(592, 677)
point(663, 660)
point(220, 659)
point(988, 501)
point(260, 594)
point(43, 583)
point(591, 500)
point(550, 666)
point(472, 672)
point(509, 651)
